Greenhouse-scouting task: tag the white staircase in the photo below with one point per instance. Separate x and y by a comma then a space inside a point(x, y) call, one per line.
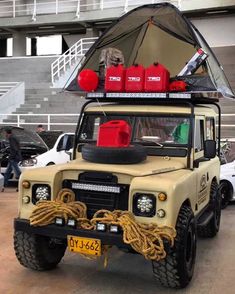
point(63, 67)
point(12, 94)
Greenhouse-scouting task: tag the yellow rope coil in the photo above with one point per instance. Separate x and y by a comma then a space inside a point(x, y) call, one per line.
point(64, 206)
point(146, 239)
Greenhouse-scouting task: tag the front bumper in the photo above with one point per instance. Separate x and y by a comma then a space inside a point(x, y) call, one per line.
point(61, 232)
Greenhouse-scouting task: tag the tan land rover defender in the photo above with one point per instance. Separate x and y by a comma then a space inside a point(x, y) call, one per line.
point(145, 170)
point(162, 179)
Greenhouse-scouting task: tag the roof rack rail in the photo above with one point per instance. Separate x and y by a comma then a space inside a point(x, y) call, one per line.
point(198, 97)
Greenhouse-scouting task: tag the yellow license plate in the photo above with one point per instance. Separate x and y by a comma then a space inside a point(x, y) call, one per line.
point(84, 245)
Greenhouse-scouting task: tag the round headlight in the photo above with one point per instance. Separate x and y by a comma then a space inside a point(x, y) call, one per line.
point(26, 199)
point(42, 193)
point(144, 204)
point(161, 213)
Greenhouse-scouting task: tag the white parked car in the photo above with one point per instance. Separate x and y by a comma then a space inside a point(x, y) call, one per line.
point(227, 172)
point(60, 153)
point(227, 182)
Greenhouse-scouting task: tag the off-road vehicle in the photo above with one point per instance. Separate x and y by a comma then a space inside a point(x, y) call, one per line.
point(166, 176)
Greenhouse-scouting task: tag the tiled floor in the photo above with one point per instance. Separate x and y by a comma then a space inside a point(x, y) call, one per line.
point(126, 273)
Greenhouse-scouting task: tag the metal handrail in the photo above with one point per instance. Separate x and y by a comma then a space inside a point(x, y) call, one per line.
point(36, 119)
point(36, 7)
point(70, 57)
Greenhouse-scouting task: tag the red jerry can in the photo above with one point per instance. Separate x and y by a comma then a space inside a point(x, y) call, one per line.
point(157, 78)
point(134, 78)
point(114, 133)
point(115, 78)
point(178, 86)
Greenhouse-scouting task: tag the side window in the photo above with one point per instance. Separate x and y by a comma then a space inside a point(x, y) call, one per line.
point(210, 128)
point(65, 143)
point(60, 144)
point(199, 135)
point(90, 128)
point(70, 142)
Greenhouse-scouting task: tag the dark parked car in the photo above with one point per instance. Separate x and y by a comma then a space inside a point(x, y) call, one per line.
point(30, 143)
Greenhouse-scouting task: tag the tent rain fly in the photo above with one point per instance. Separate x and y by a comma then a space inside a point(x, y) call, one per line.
point(158, 33)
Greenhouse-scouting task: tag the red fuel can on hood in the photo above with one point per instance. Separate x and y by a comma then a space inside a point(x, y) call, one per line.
point(134, 78)
point(157, 78)
point(115, 133)
point(115, 78)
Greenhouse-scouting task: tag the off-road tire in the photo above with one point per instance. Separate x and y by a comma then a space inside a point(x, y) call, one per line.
point(176, 270)
point(212, 227)
point(113, 155)
point(37, 252)
point(226, 193)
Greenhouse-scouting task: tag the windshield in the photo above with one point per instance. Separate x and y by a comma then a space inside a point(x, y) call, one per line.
point(50, 137)
point(146, 130)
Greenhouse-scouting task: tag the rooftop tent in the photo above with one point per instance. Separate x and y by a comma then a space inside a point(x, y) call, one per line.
point(157, 32)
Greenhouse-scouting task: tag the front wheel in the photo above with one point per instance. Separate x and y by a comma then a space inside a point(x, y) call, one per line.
point(37, 252)
point(176, 270)
point(226, 193)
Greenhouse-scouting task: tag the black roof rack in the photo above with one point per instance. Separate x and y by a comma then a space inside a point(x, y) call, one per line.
point(141, 98)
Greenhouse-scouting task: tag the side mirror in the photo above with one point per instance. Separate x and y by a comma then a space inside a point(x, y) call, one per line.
point(209, 149)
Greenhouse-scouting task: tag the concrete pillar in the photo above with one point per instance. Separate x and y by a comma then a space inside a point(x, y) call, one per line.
point(19, 44)
point(91, 32)
point(33, 46)
point(65, 46)
point(3, 47)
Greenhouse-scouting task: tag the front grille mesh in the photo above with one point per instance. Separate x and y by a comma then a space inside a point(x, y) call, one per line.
point(96, 200)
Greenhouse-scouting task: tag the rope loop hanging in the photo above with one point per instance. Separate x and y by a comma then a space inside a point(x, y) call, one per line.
point(146, 239)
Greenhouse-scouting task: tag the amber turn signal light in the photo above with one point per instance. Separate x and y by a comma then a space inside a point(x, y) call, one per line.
point(26, 184)
point(162, 196)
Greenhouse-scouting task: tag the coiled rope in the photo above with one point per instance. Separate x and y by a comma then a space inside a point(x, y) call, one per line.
point(64, 206)
point(146, 239)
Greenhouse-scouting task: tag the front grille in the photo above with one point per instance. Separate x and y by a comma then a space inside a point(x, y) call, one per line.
point(96, 199)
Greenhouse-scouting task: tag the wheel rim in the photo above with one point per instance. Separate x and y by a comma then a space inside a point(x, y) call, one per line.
point(224, 193)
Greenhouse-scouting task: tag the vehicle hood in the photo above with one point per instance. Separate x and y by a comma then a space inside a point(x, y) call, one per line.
point(152, 165)
point(30, 142)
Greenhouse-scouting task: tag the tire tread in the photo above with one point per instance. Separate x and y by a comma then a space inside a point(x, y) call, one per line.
point(31, 254)
point(167, 271)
